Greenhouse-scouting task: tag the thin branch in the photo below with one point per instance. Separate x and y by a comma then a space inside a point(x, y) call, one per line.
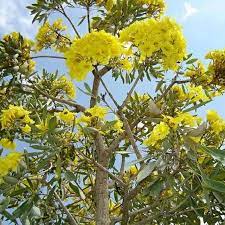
point(70, 21)
point(174, 81)
point(88, 19)
point(130, 92)
point(72, 221)
point(47, 56)
point(79, 108)
point(92, 161)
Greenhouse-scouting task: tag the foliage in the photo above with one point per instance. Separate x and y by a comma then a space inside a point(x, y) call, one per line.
point(149, 159)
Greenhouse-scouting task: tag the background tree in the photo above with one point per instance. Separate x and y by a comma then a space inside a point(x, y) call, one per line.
point(149, 159)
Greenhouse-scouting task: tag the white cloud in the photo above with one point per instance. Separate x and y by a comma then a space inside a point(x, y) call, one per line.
point(189, 10)
point(15, 17)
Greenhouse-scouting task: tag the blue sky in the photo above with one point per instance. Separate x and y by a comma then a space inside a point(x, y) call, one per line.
point(203, 22)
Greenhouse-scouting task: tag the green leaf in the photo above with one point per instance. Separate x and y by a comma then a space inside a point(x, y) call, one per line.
point(70, 176)
point(213, 184)
point(147, 170)
point(40, 147)
point(24, 208)
point(216, 154)
point(52, 124)
point(87, 87)
point(191, 61)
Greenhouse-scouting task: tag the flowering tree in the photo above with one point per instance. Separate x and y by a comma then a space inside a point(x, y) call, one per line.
point(149, 159)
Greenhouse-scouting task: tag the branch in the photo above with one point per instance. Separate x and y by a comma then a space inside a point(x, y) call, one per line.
point(69, 20)
point(47, 56)
point(92, 161)
point(79, 108)
point(174, 81)
point(72, 221)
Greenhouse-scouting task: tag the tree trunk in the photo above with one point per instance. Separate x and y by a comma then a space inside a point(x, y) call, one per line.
point(101, 186)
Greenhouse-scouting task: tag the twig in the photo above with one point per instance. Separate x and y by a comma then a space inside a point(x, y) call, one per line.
point(72, 221)
point(92, 161)
point(70, 21)
point(47, 56)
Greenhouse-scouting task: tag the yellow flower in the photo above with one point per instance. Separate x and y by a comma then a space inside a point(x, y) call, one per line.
point(185, 119)
point(159, 133)
point(117, 126)
point(26, 129)
point(98, 111)
point(94, 48)
point(9, 163)
point(64, 85)
point(43, 126)
point(67, 116)
point(84, 119)
point(216, 122)
point(133, 170)
point(157, 36)
point(50, 35)
point(179, 92)
point(197, 93)
point(8, 144)
point(14, 115)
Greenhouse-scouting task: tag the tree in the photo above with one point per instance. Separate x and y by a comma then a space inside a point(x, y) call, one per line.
point(149, 159)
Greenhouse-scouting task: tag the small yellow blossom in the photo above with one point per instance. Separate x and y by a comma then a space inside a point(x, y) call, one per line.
point(98, 111)
point(159, 133)
point(9, 163)
point(26, 129)
point(15, 115)
point(43, 126)
point(64, 85)
point(133, 170)
point(50, 35)
point(8, 144)
point(216, 122)
point(67, 116)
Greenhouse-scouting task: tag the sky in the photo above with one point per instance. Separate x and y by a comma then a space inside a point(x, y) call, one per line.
point(203, 23)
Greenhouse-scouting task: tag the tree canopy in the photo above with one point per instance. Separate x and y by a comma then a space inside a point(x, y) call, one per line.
point(148, 159)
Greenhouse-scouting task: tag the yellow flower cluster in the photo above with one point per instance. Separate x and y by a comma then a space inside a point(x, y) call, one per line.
point(157, 36)
point(198, 73)
point(216, 68)
point(159, 133)
point(50, 35)
point(154, 6)
point(8, 144)
point(194, 93)
point(64, 85)
point(108, 4)
point(43, 126)
point(98, 111)
point(66, 116)
point(16, 115)
point(197, 93)
point(185, 119)
point(94, 48)
point(21, 61)
point(117, 126)
point(217, 123)
point(9, 163)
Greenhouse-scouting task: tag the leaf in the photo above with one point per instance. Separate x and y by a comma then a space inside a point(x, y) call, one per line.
point(147, 170)
point(52, 124)
point(70, 176)
point(87, 87)
point(191, 61)
point(213, 184)
point(23, 208)
point(40, 147)
point(216, 154)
